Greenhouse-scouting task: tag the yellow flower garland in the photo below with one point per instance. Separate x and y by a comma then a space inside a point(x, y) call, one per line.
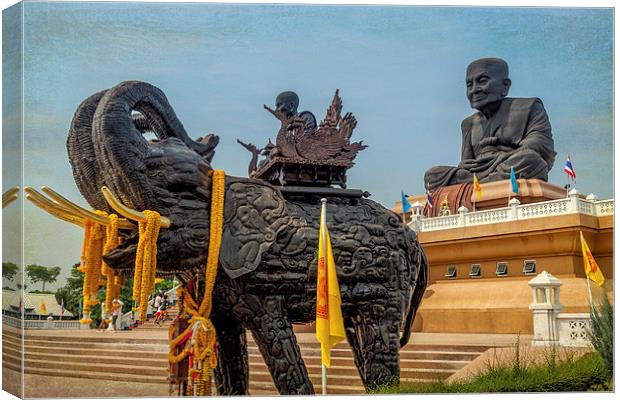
point(146, 264)
point(203, 339)
point(91, 257)
point(112, 289)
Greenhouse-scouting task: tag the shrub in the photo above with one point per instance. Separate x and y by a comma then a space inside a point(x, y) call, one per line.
point(601, 332)
point(584, 374)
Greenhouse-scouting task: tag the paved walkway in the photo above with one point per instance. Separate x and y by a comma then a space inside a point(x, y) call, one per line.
point(63, 387)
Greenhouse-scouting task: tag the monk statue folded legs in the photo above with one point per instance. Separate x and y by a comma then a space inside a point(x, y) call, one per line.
point(504, 132)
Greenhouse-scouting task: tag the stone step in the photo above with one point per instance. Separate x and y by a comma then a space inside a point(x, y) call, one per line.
point(132, 354)
point(404, 354)
point(351, 374)
point(102, 337)
point(160, 362)
point(338, 384)
point(98, 375)
point(137, 371)
point(143, 346)
point(404, 363)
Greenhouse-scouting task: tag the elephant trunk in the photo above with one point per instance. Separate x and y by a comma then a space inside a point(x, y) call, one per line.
point(121, 149)
point(82, 158)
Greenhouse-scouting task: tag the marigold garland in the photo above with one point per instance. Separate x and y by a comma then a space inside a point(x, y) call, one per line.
point(112, 290)
point(201, 348)
point(146, 264)
point(94, 235)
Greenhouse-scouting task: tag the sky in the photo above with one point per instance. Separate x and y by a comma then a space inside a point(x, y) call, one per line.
point(400, 71)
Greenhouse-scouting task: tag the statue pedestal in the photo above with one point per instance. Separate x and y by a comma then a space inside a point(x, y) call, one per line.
point(494, 195)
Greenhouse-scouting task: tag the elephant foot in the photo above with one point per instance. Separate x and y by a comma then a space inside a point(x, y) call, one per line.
point(273, 333)
point(232, 372)
point(374, 338)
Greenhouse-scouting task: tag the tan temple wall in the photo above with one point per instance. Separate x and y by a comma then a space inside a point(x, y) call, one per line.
point(492, 304)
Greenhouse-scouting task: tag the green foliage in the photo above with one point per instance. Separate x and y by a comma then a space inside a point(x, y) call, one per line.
point(40, 273)
point(584, 374)
point(9, 270)
point(601, 332)
point(72, 293)
point(164, 286)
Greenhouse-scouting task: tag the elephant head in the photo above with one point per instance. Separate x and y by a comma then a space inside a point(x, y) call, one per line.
point(170, 174)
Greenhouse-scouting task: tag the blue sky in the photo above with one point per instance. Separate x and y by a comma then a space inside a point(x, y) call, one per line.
point(400, 70)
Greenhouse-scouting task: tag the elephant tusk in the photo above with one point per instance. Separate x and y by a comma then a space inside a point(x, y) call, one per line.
point(82, 212)
point(127, 212)
point(55, 212)
point(9, 196)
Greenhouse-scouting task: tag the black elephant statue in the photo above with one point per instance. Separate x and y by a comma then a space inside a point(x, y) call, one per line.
point(266, 280)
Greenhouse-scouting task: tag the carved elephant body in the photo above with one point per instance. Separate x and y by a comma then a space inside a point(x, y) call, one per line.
point(267, 275)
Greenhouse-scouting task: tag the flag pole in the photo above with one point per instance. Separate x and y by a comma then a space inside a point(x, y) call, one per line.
point(324, 239)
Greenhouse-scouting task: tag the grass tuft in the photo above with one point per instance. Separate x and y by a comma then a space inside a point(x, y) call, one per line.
point(587, 373)
point(601, 332)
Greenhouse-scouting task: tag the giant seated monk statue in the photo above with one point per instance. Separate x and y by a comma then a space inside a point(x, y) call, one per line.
point(504, 132)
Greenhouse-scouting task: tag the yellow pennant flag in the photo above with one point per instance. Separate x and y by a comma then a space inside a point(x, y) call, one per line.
point(329, 322)
point(477, 188)
point(43, 308)
point(593, 272)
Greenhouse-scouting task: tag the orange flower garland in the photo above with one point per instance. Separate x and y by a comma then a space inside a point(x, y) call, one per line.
point(92, 251)
point(146, 261)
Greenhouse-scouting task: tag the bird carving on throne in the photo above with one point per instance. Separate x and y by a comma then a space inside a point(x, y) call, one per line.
point(326, 148)
point(330, 140)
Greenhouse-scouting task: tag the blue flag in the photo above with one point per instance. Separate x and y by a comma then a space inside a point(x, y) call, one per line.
point(513, 180)
point(406, 205)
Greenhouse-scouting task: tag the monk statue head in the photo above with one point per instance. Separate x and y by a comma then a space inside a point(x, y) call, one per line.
point(287, 102)
point(487, 84)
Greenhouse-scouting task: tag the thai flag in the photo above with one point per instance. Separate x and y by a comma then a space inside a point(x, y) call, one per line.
point(568, 168)
point(429, 200)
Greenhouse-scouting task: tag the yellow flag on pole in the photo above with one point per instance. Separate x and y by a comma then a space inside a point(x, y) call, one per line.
point(593, 272)
point(43, 308)
point(477, 188)
point(329, 322)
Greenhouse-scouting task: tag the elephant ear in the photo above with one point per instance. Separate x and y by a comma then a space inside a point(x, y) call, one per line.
point(254, 214)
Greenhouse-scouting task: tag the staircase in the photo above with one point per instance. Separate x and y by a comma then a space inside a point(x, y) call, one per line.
point(173, 311)
point(140, 356)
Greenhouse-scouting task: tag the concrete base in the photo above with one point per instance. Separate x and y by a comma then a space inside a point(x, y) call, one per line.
point(499, 305)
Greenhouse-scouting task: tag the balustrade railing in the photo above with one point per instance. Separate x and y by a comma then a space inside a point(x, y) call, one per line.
point(571, 204)
point(573, 329)
point(40, 324)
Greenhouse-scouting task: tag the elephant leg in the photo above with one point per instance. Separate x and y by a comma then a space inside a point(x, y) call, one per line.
point(273, 333)
point(354, 343)
point(232, 372)
point(377, 333)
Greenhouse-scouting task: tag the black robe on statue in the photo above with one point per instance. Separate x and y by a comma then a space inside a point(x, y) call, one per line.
point(524, 141)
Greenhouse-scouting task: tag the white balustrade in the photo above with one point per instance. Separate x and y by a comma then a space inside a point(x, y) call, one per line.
point(573, 329)
point(487, 216)
point(572, 204)
point(40, 324)
point(605, 207)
